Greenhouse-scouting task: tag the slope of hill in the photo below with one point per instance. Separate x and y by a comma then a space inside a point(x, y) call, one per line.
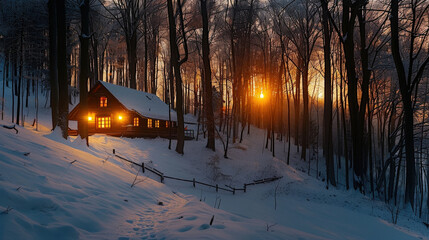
point(52, 188)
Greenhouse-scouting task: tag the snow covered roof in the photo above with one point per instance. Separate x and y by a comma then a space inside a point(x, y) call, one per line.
point(146, 104)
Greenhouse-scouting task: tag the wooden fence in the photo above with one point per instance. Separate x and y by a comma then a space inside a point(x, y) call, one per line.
point(195, 182)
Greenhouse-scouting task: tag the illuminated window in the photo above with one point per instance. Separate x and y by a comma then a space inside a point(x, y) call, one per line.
point(103, 101)
point(136, 122)
point(166, 124)
point(149, 123)
point(157, 123)
point(103, 122)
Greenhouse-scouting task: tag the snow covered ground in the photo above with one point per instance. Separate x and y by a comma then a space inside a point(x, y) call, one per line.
point(60, 189)
point(51, 188)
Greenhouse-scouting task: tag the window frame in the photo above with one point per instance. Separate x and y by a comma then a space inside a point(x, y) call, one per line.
point(103, 122)
point(102, 102)
point(136, 122)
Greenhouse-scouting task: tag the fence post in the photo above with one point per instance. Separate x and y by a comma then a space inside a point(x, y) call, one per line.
point(143, 167)
point(233, 191)
point(217, 188)
point(193, 182)
point(114, 151)
point(162, 178)
point(244, 187)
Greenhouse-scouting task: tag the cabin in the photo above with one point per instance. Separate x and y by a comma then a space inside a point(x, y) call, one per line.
point(120, 111)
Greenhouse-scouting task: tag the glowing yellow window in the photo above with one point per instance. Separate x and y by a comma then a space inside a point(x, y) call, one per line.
point(103, 101)
point(104, 122)
point(157, 123)
point(166, 124)
point(136, 122)
point(149, 123)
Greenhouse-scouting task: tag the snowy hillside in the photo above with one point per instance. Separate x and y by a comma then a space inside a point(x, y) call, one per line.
point(51, 188)
point(310, 118)
point(58, 189)
point(52, 198)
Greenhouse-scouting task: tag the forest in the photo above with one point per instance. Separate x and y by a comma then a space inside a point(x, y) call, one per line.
point(343, 82)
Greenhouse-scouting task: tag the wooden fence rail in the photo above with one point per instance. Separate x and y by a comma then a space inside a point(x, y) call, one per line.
point(193, 181)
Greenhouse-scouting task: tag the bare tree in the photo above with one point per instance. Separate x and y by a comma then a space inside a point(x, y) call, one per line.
point(207, 77)
point(84, 70)
point(416, 35)
point(63, 103)
point(327, 116)
point(128, 14)
point(176, 62)
point(303, 33)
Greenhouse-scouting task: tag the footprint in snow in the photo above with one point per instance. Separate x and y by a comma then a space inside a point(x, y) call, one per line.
point(43, 178)
point(218, 226)
point(191, 218)
point(130, 221)
point(185, 229)
point(204, 227)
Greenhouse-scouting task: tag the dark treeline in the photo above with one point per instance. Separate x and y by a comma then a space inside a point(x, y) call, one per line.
point(348, 77)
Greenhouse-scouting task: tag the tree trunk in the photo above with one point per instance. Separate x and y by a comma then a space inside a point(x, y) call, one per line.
point(408, 119)
point(21, 63)
point(13, 90)
point(327, 113)
point(84, 71)
point(207, 77)
point(153, 65)
point(356, 119)
point(390, 146)
point(4, 83)
point(343, 120)
point(297, 101)
point(174, 52)
point(132, 59)
point(95, 69)
point(63, 103)
point(306, 117)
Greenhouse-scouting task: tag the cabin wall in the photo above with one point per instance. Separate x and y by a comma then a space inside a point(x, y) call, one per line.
point(119, 116)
